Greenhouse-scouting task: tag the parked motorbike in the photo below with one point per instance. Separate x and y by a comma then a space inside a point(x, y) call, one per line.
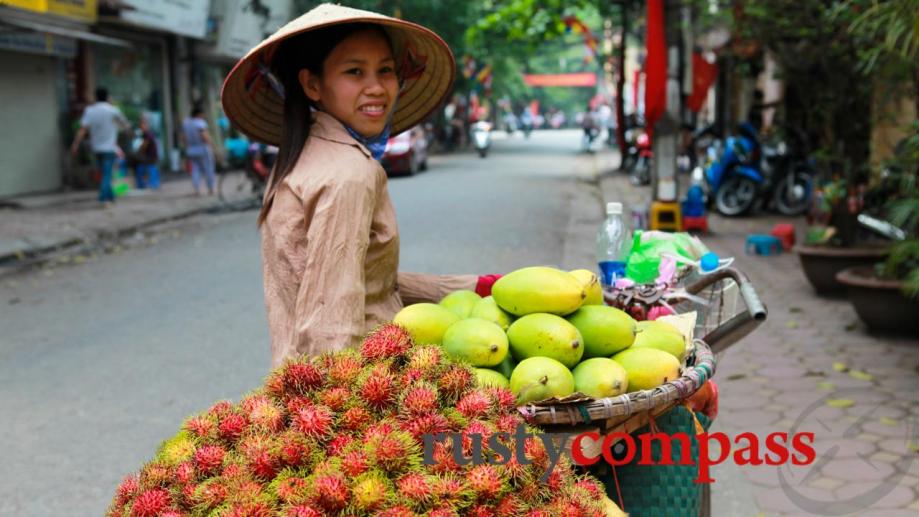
point(640, 174)
point(742, 171)
point(481, 137)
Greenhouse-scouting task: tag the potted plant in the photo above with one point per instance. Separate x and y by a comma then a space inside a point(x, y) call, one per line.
point(834, 240)
point(886, 296)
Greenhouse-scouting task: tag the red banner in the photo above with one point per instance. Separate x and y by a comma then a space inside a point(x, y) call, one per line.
point(703, 76)
point(584, 79)
point(655, 65)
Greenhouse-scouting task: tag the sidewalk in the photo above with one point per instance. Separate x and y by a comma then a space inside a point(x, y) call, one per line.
point(811, 366)
point(46, 223)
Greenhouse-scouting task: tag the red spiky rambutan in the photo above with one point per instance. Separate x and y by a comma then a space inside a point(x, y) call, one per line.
point(260, 461)
point(338, 444)
point(443, 511)
point(449, 489)
point(315, 421)
point(354, 419)
point(200, 426)
point(536, 451)
point(454, 382)
point(411, 376)
point(150, 503)
point(508, 422)
point(420, 399)
point(263, 413)
point(379, 389)
point(432, 424)
point(396, 511)
point(354, 463)
point(392, 452)
point(475, 404)
point(592, 487)
point(303, 510)
point(509, 506)
point(232, 427)
point(425, 359)
point(292, 490)
point(477, 430)
point(293, 449)
point(538, 513)
point(371, 491)
point(188, 494)
point(505, 400)
point(295, 379)
point(335, 398)
point(171, 513)
point(297, 403)
point(485, 481)
point(185, 473)
point(233, 471)
point(211, 494)
point(444, 460)
point(344, 367)
point(416, 488)
point(126, 490)
point(155, 475)
point(386, 341)
point(220, 409)
point(330, 491)
point(252, 509)
point(480, 510)
point(209, 458)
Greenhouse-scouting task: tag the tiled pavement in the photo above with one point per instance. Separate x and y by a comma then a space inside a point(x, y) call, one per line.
point(811, 366)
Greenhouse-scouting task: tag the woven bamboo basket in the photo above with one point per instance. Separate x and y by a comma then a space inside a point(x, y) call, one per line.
point(726, 309)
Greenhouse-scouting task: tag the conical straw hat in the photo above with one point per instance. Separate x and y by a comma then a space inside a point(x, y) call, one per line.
point(253, 98)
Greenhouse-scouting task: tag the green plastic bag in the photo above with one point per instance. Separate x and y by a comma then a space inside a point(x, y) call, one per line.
point(647, 247)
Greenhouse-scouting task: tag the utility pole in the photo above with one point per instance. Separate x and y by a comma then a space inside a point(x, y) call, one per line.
point(667, 129)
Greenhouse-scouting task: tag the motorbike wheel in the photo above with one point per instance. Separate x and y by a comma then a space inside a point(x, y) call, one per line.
point(793, 198)
point(736, 196)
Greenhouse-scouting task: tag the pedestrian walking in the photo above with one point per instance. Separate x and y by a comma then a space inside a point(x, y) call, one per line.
point(146, 157)
point(102, 121)
point(199, 150)
point(329, 88)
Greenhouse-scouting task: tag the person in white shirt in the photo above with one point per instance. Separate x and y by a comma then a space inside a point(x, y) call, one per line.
point(102, 121)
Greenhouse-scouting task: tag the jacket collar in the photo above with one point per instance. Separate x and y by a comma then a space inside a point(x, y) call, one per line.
point(327, 127)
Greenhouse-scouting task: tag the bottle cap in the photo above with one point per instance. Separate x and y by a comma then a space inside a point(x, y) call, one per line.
point(613, 208)
point(709, 262)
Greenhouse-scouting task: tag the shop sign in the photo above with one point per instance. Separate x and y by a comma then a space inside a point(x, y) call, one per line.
point(38, 43)
point(245, 23)
point(82, 10)
point(183, 17)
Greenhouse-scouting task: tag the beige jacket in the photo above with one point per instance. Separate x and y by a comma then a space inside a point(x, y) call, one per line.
point(330, 250)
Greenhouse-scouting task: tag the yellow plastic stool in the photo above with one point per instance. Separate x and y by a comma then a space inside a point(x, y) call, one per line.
point(666, 216)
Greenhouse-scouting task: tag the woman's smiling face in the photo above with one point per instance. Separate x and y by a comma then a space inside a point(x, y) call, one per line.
point(358, 85)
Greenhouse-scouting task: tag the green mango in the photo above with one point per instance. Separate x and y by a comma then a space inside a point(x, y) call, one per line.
point(539, 289)
point(478, 342)
point(648, 367)
point(487, 309)
point(488, 377)
point(539, 378)
point(460, 302)
point(545, 335)
point(606, 330)
point(600, 377)
point(426, 322)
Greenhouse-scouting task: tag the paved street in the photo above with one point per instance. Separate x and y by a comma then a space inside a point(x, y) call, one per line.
point(102, 355)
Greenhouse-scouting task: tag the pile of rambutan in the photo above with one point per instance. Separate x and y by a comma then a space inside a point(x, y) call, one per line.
point(343, 434)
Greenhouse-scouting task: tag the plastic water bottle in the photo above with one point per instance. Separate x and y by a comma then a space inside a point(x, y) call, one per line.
point(613, 243)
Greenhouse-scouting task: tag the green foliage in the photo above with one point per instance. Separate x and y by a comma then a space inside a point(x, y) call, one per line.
point(903, 262)
point(893, 28)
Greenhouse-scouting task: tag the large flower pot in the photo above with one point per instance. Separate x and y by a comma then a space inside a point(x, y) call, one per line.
point(822, 263)
point(881, 304)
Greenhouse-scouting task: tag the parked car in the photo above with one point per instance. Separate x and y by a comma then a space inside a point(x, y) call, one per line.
point(407, 152)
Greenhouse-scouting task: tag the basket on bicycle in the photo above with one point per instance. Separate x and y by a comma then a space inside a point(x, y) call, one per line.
point(726, 308)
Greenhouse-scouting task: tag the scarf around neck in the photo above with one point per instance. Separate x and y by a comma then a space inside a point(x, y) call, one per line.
point(375, 144)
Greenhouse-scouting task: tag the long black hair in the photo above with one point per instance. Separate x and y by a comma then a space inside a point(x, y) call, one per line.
point(306, 51)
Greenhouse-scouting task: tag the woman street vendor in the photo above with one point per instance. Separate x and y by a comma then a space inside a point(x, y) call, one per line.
point(329, 89)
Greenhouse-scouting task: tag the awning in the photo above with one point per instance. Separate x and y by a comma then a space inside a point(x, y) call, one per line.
point(65, 31)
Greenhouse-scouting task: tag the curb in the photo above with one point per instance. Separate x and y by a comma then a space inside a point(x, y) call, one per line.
point(35, 256)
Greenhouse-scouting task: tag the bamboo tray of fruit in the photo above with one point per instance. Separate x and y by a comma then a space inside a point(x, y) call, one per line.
point(572, 360)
